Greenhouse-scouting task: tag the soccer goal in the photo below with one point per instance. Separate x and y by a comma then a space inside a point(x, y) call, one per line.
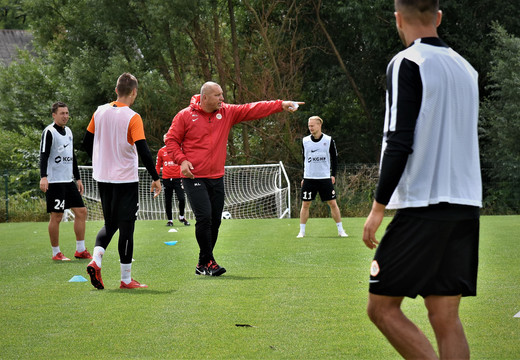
point(252, 192)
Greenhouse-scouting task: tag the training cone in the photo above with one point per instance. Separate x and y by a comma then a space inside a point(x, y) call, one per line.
point(77, 278)
point(172, 230)
point(170, 242)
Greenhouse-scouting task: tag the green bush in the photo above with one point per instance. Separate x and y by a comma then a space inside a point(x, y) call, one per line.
point(22, 198)
point(355, 186)
point(23, 207)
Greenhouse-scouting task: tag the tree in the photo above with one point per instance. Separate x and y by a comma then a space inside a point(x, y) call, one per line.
point(500, 124)
point(173, 47)
point(12, 15)
point(28, 88)
point(330, 54)
point(351, 43)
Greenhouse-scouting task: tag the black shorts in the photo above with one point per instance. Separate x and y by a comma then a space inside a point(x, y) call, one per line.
point(120, 202)
point(425, 256)
point(61, 196)
point(311, 187)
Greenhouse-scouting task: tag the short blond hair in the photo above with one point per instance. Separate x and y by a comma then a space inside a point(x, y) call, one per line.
point(317, 118)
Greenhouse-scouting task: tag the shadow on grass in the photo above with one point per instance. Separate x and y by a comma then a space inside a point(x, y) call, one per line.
point(230, 277)
point(335, 237)
point(137, 291)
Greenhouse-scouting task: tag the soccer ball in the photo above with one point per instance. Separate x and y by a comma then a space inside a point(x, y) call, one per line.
point(226, 215)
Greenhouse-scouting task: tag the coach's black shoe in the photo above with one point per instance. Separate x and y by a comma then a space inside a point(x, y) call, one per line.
point(200, 270)
point(184, 221)
point(213, 269)
point(169, 223)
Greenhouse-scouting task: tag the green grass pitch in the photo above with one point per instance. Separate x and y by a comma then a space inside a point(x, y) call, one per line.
point(301, 298)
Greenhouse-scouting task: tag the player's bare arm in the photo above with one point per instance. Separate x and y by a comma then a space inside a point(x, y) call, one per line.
point(156, 188)
point(44, 184)
point(79, 184)
point(372, 223)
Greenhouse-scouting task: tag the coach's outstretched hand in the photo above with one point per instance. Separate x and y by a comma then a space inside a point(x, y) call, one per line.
point(291, 106)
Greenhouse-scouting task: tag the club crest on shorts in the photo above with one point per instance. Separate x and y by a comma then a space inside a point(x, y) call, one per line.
point(374, 268)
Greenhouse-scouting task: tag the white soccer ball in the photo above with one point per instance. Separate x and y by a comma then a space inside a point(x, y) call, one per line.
point(226, 215)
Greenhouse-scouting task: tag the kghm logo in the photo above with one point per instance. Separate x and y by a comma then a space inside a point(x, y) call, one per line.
point(316, 159)
point(58, 159)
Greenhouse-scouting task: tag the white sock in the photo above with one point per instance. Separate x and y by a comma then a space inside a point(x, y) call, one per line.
point(340, 227)
point(97, 256)
point(181, 217)
point(55, 250)
point(302, 228)
point(126, 273)
point(80, 245)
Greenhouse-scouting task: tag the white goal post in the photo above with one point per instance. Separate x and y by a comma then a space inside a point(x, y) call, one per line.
point(252, 192)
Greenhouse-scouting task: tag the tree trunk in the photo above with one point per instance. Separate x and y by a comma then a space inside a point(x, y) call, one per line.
point(342, 64)
point(173, 57)
point(197, 37)
point(263, 32)
point(240, 92)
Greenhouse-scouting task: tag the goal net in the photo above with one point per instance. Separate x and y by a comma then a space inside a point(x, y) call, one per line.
point(252, 192)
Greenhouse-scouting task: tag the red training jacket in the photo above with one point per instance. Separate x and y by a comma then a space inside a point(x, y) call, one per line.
point(170, 170)
point(203, 136)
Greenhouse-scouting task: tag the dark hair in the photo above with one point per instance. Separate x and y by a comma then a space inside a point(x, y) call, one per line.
point(421, 6)
point(125, 84)
point(57, 105)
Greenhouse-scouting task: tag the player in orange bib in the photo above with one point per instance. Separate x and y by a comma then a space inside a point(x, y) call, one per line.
point(114, 138)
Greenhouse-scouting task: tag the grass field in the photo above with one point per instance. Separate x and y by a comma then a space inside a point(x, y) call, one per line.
point(301, 298)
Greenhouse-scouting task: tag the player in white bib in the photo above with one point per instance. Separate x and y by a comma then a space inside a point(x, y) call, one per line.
point(115, 141)
point(58, 169)
point(430, 173)
point(319, 174)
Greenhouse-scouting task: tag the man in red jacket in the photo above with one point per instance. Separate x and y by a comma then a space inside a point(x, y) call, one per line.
point(171, 175)
point(197, 140)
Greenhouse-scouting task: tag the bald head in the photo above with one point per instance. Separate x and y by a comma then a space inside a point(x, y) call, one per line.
point(208, 86)
point(211, 96)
